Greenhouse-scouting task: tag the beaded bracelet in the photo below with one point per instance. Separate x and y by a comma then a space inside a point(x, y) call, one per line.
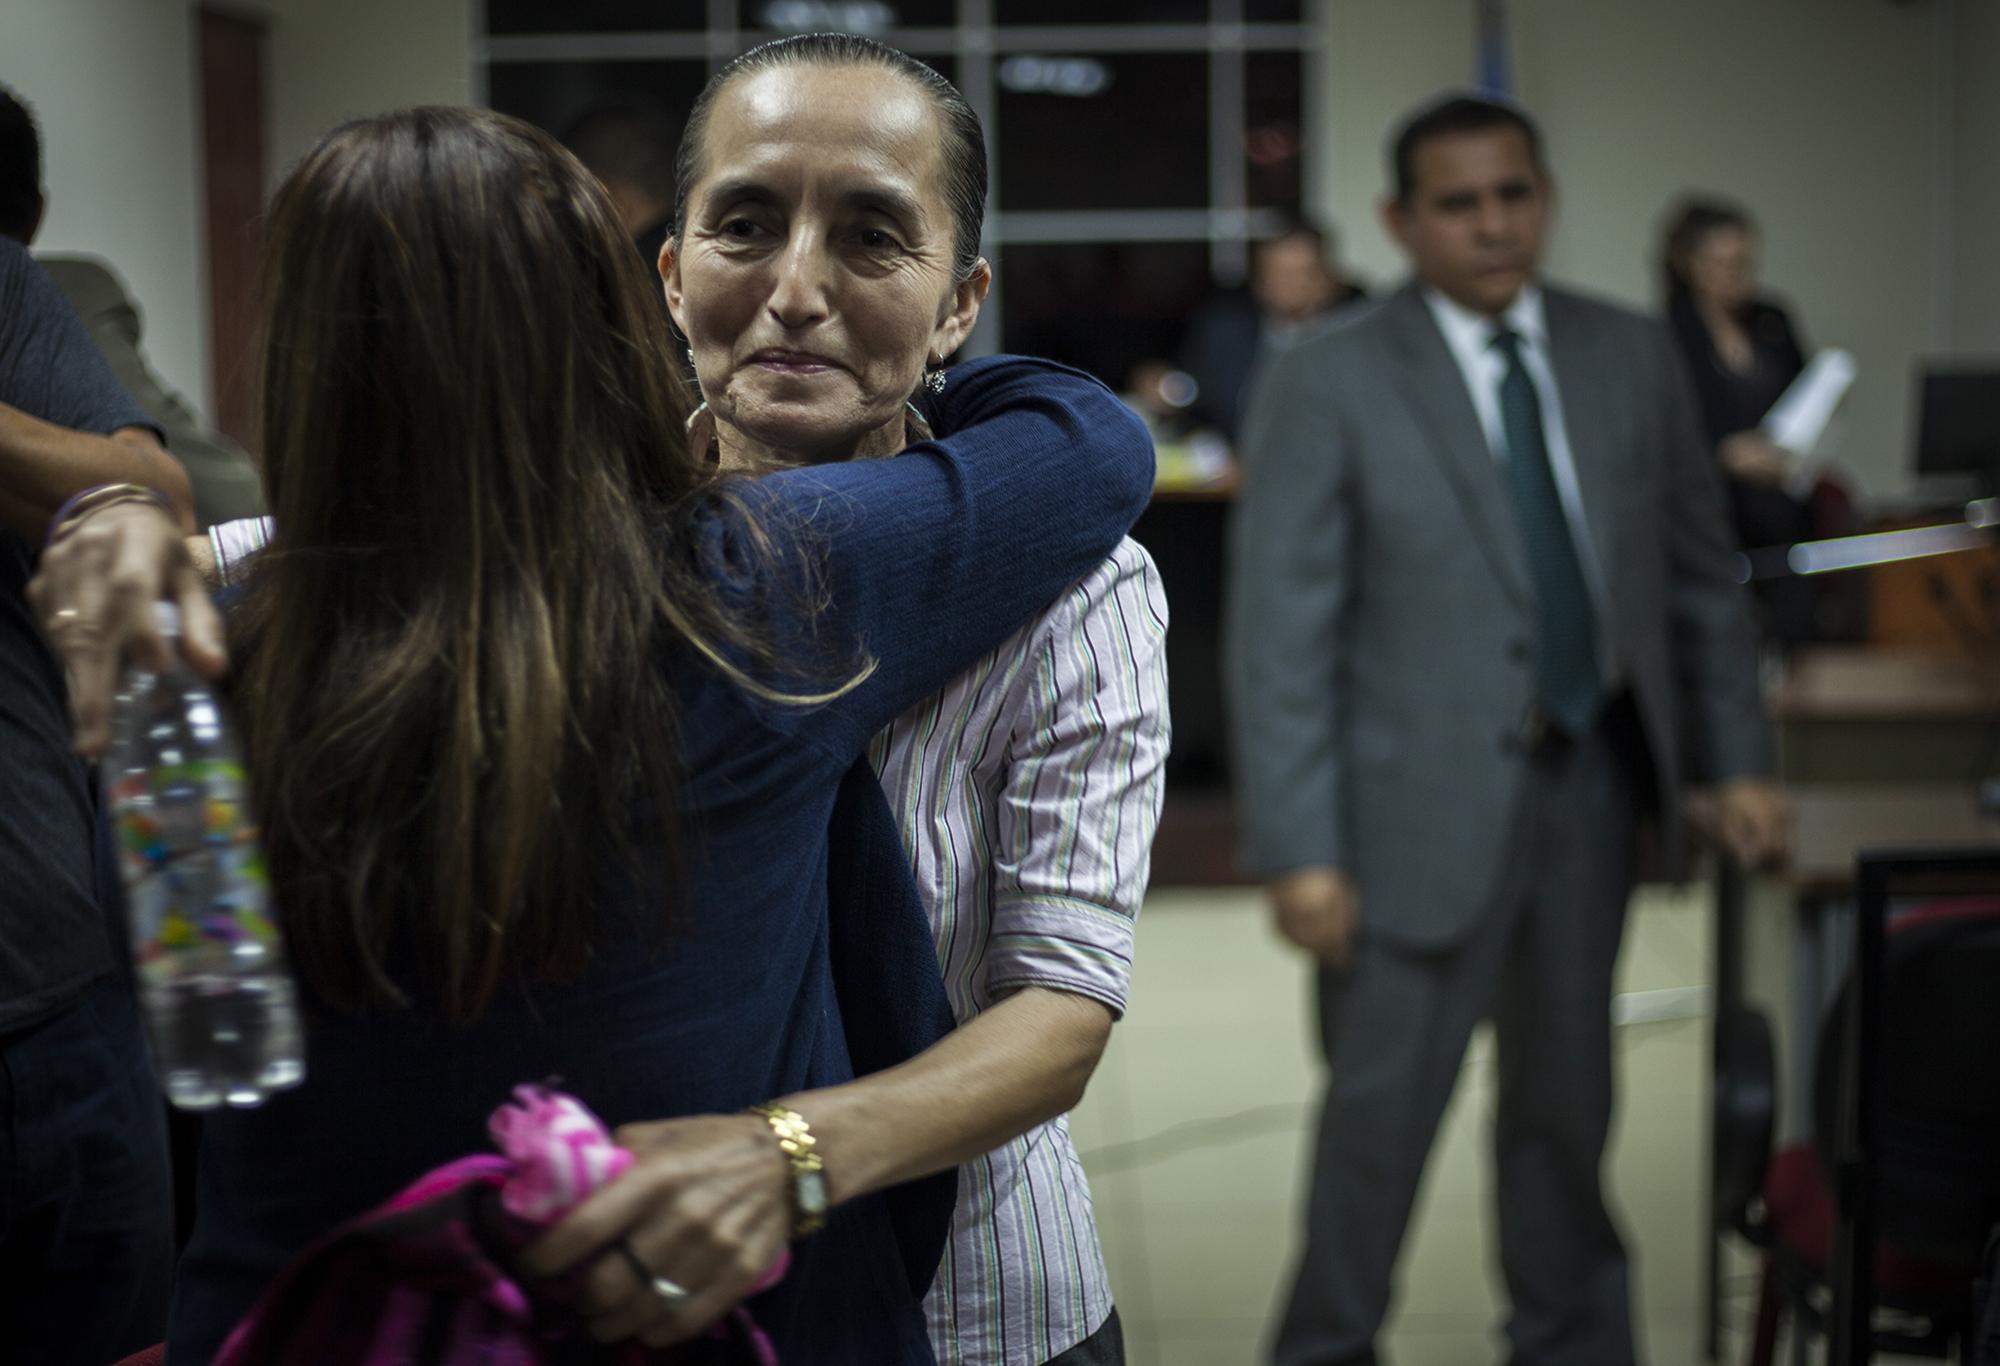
point(81, 505)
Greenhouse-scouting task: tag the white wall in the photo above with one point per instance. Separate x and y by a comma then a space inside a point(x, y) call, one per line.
point(1974, 298)
point(1827, 118)
point(114, 87)
point(112, 83)
point(333, 60)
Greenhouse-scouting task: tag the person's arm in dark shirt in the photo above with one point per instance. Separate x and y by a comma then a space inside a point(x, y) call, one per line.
point(65, 425)
point(42, 464)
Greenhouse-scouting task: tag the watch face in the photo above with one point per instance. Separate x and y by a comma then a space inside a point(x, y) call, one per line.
point(812, 1194)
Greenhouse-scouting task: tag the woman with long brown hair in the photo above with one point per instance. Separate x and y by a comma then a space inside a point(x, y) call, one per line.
point(546, 721)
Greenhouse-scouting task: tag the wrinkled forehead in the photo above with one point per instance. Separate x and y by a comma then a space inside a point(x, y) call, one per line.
point(811, 127)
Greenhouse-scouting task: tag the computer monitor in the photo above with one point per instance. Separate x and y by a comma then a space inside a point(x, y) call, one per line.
point(1958, 422)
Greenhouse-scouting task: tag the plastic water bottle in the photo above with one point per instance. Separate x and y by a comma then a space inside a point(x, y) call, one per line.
point(213, 980)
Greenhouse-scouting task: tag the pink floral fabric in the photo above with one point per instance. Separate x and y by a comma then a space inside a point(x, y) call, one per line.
point(427, 1275)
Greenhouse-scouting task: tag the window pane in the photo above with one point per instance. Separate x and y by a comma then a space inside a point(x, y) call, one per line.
point(595, 16)
point(1274, 127)
point(1100, 12)
point(1273, 11)
point(552, 94)
point(1109, 131)
point(872, 17)
point(1102, 307)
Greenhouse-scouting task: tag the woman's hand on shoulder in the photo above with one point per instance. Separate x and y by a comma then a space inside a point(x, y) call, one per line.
point(93, 594)
point(705, 1208)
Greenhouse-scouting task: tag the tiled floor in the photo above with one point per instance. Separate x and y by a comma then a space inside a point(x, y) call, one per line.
point(1195, 1127)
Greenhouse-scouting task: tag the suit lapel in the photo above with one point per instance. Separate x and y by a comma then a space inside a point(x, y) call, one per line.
point(1431, 384)
point(1588, 418)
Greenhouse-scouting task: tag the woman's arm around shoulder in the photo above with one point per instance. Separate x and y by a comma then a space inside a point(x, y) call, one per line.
point(930, 559)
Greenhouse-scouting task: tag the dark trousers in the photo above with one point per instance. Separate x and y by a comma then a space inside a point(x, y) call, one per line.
point(1538, 962)
point(86, 1232)
point(1105, 1347)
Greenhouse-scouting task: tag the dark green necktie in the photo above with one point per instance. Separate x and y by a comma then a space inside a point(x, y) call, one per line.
point(1568, 685)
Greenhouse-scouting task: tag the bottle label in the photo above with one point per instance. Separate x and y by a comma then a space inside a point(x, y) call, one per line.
point(194, 873)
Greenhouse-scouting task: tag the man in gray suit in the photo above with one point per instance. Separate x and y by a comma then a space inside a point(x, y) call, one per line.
point(1482, 622)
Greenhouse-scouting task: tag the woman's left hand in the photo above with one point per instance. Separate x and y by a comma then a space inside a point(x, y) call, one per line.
point(705, 1206)
point(1756, 459)
point(94, 591)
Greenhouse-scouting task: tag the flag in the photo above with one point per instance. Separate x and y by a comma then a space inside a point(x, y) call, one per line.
point(1495, 72)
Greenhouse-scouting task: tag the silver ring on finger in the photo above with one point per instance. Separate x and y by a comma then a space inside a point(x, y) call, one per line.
point(668, 1289)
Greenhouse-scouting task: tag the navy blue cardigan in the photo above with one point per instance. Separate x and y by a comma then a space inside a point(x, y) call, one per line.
point(925, 562)
point(889, 987)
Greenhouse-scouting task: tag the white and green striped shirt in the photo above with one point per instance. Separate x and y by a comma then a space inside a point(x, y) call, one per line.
point(1027, 793)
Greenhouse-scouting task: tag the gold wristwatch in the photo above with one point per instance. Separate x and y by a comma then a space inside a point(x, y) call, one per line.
point(795, 1140)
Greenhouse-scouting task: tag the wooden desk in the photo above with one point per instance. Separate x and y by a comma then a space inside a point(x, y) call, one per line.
point(1216, 493)
point(1904, 598)
point(1850, 714)
point(1835, 823)
point(1864, 683)
point(1221, 490)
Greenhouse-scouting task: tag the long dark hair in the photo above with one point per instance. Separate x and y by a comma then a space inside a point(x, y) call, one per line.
point(474, 454)
point(964, 139)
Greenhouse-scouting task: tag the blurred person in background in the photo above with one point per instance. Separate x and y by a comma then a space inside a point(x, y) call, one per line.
point(1482, 607)
point(1742, 353)
point(501, 851)
point(225, 481)
point(629, 144)
point(1294, 282)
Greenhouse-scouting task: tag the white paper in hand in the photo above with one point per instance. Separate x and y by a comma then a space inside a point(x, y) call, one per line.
point(1798, 419)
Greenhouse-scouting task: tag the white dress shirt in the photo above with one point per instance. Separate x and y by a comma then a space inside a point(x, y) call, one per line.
point(1470, 335)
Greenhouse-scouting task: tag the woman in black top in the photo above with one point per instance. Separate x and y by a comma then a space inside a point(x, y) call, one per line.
point(1742, 353)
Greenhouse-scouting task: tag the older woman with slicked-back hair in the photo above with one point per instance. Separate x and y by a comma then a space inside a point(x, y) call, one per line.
point(825, 258)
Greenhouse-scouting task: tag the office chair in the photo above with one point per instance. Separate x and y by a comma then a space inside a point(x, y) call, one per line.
point(1937, 1137)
